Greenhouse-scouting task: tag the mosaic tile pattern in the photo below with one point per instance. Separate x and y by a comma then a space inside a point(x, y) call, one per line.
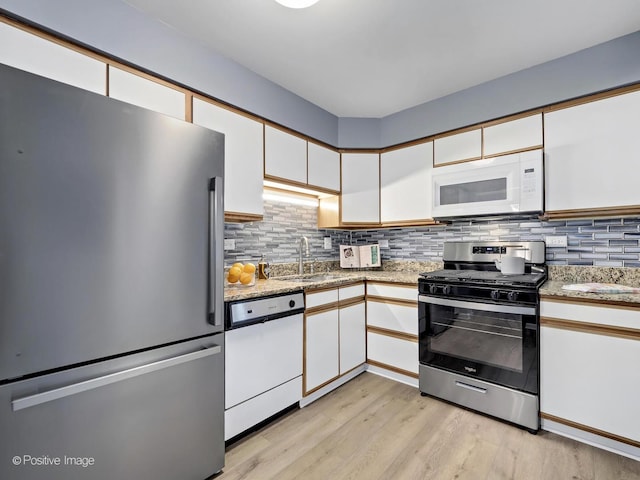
point(278, 235)
point(601, 242)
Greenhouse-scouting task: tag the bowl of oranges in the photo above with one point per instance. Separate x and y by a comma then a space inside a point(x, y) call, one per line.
point(241, 275)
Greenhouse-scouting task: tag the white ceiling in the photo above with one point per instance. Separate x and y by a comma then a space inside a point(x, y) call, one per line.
point(372, 58)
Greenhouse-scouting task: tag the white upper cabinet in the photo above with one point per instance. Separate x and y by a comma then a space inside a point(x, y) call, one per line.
point(145, 93)
point(405, 184)
point(243, 156)
point(48, 59)
point(512, 136)
point(285, 155)
point(360, 188)
point(323, 167)
point(592, 151)
point(458, 147)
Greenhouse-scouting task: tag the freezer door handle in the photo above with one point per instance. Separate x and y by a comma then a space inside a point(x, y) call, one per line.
point(216, 252)
point(68, 390)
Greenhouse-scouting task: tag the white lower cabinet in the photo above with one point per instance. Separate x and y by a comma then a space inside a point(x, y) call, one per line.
point(335, 341)
point(392, 327)
point(321, 348)
point(353, 346)
point(589, 379)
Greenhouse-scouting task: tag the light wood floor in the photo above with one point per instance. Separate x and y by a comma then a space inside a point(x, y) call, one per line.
point(375, 428)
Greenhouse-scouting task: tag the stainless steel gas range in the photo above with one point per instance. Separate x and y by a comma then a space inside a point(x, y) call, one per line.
point(479, 330)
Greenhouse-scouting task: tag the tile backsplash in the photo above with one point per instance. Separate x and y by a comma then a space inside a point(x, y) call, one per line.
point(611, 242)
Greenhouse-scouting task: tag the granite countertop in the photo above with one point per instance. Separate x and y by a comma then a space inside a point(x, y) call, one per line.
point(559, 276)
point(553, 288)
point(284, 284)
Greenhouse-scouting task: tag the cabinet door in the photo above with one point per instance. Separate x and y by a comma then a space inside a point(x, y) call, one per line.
point(392, 316)
point(324, 167)
point(285, 155)
point(243, 156)
point(591, 379)
point(508, 137)
point(590, 152)
point(405, 184)
point(321, 348)
point(145, 93)
point(353, 349)
point(393, 352)
point(48, 59)
point(458, 147)
point(360, 188)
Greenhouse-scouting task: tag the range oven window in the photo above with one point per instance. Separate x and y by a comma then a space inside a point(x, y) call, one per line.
point(497, 343)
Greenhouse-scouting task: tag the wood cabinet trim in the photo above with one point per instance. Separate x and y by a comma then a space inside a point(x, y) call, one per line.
point(325, 307)
point(393, 333)
point(511, 152)
point(68, 43)
point(391, 368)
point(588, 429)
point(592, 301)
point(455, 162)
point(619, 211)
point(593, 328)
point(349, 302)
point(392, 284)
point(238, 217)
point(392, 301)
point(293, 183)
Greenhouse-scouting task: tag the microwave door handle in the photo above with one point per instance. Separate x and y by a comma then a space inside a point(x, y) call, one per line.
point(485, 307)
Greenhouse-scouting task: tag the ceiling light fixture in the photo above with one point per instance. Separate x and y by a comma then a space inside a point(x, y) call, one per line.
point(297, 3)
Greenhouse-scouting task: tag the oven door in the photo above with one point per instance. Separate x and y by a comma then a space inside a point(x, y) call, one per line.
point(493, 342)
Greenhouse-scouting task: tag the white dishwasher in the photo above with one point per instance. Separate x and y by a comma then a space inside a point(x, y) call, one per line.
point(263, 359)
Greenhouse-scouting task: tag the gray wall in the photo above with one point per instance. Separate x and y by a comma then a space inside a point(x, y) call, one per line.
point(117, 29)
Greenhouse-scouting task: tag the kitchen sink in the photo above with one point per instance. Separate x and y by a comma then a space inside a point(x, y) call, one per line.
point(310, 278)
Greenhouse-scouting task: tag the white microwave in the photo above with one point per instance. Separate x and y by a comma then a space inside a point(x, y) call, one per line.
point(510, 184)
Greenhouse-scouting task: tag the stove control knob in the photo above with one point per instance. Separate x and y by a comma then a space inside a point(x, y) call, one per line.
point(433, 289)
point(446, 290)
point(495, 294)
point(512, 296)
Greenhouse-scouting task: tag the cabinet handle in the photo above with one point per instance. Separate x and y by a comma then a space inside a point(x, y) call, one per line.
point(471, 387)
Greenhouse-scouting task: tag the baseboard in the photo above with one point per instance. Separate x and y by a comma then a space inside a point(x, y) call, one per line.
point(398, 377)
point(332, 386)
point(591, 439)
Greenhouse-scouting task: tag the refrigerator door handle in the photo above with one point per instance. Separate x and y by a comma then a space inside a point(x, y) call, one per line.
point(68, 390)
point(216, 252)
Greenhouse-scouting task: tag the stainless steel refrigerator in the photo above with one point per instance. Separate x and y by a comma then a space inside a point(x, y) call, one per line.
point(111, 295)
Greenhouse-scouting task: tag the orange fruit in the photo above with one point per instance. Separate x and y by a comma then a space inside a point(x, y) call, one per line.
point(237, 264)
point(249, 268)
point(233, 277)
point(246, 278)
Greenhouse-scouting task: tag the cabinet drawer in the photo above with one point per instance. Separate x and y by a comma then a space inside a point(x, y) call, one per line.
point(399, 318)
point(352, 291)
point(319, 298)
point(393, 291)
point(602, 315)
point(394, 352)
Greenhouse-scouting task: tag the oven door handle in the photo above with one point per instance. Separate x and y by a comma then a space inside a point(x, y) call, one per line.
point(485, 307)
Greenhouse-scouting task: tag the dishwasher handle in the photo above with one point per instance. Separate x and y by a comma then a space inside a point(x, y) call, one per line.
point(75, 388)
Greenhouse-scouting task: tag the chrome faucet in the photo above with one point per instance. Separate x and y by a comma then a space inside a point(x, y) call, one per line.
point(304, 246)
